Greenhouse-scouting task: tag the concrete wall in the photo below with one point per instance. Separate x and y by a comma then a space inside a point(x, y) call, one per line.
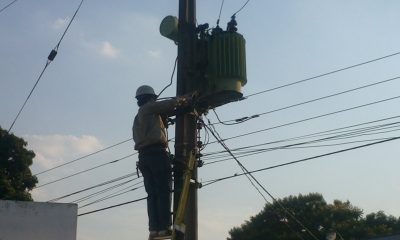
point(37, 221)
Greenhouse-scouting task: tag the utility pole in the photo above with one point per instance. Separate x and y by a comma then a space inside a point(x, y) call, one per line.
point(186, 131)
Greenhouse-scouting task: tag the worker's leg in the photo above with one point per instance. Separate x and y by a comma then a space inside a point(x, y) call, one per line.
point(163, 180)
point(145, 165)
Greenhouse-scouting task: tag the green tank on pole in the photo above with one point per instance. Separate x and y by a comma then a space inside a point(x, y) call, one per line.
point(226, 69)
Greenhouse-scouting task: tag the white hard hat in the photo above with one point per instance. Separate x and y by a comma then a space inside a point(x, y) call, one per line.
point(145, 89)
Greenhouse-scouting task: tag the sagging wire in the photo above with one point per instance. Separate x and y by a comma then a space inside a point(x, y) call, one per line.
point(237, 121)
point(50, 59)
point(113, 206)
point(344, 134)
point(313, 118)
point(94, 194)
point(243, 119)
point(172, 77)
point(248, 174)
point(115, 194)
point(219, 139)
point(244, 5)
point(8, 5)
point(209, 182)
point(92, 187)
point(85, 156)
point(86, 170)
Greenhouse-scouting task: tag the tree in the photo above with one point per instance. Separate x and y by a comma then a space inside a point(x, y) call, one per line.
point(16, 179)
point(310, 217)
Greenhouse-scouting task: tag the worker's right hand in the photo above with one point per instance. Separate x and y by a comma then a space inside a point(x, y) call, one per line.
point(185, 100)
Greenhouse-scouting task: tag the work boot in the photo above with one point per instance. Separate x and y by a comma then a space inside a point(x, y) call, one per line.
point(153, 234)
point(165, 233)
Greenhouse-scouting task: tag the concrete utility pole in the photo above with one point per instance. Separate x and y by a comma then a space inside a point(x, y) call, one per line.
point(185, 133)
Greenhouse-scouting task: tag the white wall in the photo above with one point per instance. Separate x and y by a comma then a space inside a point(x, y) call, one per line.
point(37, 221)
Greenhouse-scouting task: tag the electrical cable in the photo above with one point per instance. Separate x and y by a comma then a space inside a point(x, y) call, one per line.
point(209, 182)
point(294, 147)
point(85, 156)
point(243, 119)
point(92, 187)
point(306, 159)
point(357, 133)
point(247, 173)
point(216, 136)
point(311, 118)
point(243, 153)
point(172, 77)
point(322, 75)
point(92, 195)
point(8, 5)
point(86, 170)
point(317, 134)
point(50, 59)
point(116, 194)
point(220, 11)
point(244, 5)
point(113, 206)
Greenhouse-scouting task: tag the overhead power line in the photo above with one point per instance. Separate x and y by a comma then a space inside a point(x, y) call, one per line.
point(172, 78)
point(208, 182)
point(220, 11)
point(244, 5)
point(50, 58)
point(316, 134)
point(218, 138)
point(115, 194)
point(93, 187)
point(113, 206)
point(324, 74)
point(80, 158)
point(84, 171)
point(312, 118)
point(261, 151)
point(340, 135)
point(8, 5)
point(243, 119)
point(111, 188)
point(248, 175)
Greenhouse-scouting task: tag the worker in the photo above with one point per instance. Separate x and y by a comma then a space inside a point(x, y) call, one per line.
point(150, 136)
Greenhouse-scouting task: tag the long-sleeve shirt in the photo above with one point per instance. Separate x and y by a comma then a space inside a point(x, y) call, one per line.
point(148, 126)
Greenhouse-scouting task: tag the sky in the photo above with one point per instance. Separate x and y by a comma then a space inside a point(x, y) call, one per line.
point(85, 102)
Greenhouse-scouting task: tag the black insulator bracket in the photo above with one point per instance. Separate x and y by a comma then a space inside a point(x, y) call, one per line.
point(52, 55)
point(232, 25)
point(200, 163)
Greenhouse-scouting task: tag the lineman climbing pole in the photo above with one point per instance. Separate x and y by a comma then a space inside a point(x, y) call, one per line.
point(185, 133)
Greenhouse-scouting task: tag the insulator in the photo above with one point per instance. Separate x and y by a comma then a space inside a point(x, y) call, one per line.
point(52, 55)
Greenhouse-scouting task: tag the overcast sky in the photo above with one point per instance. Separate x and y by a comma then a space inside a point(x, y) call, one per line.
point(85, 102)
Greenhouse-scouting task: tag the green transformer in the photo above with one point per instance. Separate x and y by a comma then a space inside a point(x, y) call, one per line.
point(226, 69)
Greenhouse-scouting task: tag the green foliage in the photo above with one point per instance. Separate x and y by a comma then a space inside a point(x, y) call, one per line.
point(16, 179)
point(319, 217)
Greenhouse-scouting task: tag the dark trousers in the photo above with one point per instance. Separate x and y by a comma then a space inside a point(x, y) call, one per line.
point(156, 170)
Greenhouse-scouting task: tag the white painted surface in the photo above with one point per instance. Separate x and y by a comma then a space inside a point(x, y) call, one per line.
point(37, 221)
